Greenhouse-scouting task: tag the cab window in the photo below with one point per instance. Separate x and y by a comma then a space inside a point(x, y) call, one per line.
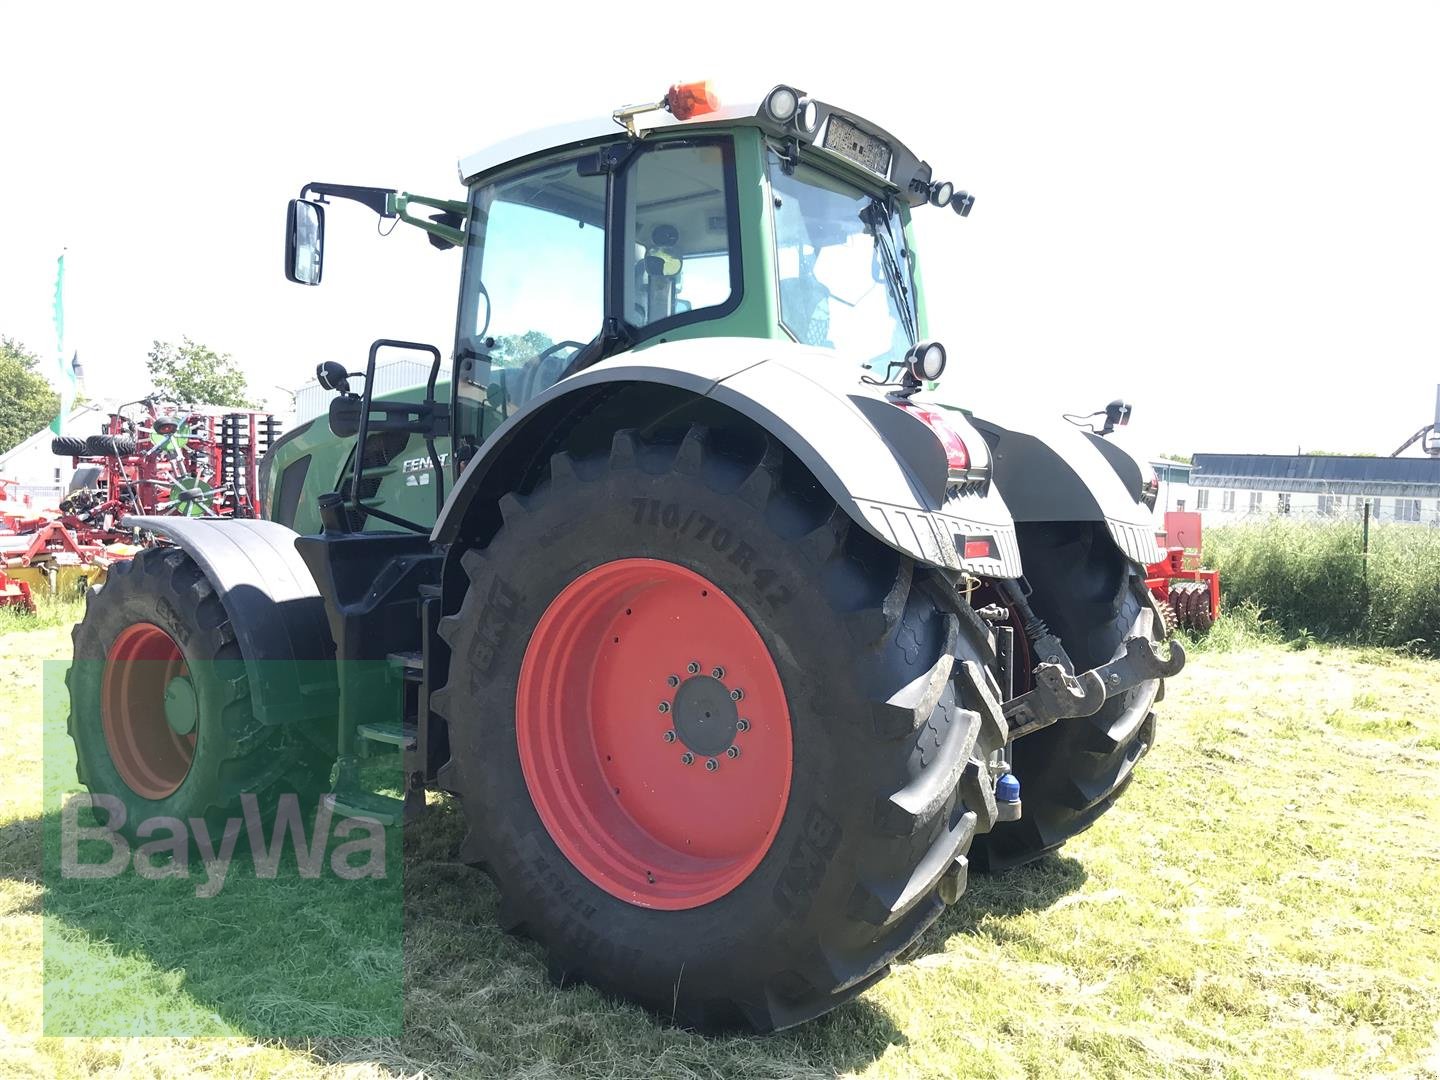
point(682, 261)
point(534, 282)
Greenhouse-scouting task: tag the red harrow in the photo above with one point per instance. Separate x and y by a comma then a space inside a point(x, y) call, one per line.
point(165, 459)
point(154, 457)
point(1178, 581)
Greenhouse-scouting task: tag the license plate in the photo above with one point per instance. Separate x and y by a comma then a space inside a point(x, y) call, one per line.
point(844, 138)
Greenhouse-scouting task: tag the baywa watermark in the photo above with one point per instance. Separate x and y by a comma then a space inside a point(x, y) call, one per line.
point(166, 850)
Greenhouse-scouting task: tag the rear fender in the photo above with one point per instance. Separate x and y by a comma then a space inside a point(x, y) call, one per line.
point(274, 608)
point(883, 468)
point(1055, 472)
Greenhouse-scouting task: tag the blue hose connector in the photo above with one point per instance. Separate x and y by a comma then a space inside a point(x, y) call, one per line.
point(1007, 788)
point(1007, 797)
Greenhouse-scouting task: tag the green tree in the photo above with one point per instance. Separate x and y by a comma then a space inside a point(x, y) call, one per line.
point(197, 375)
point(1184, 459)
point(511, 350)
point(27, 403)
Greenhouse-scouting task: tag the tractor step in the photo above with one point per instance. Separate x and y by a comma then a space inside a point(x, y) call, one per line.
point(365, 804)
point(410, 663)
point(401, 735)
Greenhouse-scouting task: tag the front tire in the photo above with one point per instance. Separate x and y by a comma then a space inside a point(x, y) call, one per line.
point(159, 700)
point(625, 582)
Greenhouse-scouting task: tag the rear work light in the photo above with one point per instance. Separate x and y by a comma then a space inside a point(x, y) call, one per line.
point(957, 455)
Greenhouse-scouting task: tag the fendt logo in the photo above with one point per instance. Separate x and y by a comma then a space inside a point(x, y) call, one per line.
point(167, 855)
point(418, 471)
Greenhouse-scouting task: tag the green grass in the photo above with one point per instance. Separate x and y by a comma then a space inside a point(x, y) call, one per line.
point(50, 611)
point(1311, 578)
point(1261, 903)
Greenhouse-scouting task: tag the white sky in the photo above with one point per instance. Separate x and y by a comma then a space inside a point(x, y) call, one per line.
point(1226, 213)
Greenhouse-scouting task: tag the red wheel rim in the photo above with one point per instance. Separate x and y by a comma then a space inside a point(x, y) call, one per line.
point(149, 756)
point(635, 665)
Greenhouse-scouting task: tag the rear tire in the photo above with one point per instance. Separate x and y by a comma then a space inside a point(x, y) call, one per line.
point(157, 618)
point(892, 718)
point(1070, 773)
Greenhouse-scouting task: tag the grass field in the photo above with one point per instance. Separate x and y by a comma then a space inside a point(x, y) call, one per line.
point(1261, 903)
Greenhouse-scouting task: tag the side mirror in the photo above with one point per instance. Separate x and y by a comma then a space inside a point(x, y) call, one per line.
point(332, 376)
point(304, 242)
point(345, 413)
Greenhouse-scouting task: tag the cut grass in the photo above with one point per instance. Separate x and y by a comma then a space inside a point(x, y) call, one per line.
point(1260, 903)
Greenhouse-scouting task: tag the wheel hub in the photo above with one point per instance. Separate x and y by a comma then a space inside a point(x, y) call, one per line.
point(706, 719)
point(182, 708)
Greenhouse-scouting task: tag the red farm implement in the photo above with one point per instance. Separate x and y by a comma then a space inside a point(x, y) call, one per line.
point(13, 593)
point(1191, 591)
point(153, 458)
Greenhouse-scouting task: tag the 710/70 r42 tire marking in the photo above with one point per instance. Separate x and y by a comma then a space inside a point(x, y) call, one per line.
point(702, 527)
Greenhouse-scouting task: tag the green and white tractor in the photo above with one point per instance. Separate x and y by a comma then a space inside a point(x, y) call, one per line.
point(734, 634)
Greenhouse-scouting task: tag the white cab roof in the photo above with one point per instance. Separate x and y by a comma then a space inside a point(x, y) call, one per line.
point(581, 131)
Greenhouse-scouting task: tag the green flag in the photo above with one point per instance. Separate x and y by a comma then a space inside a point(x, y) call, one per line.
point(64, 371)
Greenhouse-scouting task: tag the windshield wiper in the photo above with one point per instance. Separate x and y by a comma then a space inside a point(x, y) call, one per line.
point(878, 218)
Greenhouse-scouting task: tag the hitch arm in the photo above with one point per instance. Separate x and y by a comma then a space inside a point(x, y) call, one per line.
point(1059, 695)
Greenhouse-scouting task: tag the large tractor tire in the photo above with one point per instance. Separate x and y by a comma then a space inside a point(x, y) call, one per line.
point(110, 446)
point(722, 753)
point(1070, 773)
point(159, 703)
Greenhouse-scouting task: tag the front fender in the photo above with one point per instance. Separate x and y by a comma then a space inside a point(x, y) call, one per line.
point(273, 605)
point(882, 467)
point(1052, 471)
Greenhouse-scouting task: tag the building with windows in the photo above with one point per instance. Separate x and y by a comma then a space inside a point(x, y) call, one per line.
point(1175, 492)
point(1228, 487)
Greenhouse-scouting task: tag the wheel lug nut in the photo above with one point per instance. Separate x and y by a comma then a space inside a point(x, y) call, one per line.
point(736, 694)
point(711, 765)
point(732, 752)
point(664, 706)
point(693, 667)
point(669, 736)
point(672, 680)
point(717, 673)
point(687, 758)
point(742, 725)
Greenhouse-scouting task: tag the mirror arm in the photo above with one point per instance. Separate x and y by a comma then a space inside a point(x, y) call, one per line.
point(398, 203)
point(377, 199)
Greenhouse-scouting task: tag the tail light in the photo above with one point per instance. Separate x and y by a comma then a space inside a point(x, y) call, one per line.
point(980, 547)
point(957, 454)
point(1150, 492)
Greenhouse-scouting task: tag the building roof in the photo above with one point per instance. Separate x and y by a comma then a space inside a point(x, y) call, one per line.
point(1171, 472)
point(1414, 478)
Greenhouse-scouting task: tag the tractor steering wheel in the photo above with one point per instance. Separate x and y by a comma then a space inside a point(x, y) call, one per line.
point(546, 369)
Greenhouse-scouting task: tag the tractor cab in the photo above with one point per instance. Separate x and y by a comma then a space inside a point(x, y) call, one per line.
point(787, 220)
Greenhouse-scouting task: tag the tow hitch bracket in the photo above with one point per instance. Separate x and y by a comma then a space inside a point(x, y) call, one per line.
point(1059, 695)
